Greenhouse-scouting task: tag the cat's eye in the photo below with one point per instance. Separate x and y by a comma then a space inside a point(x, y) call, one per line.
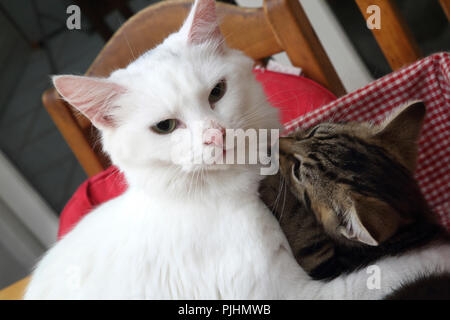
point(217, 92)
point(296, 169)
point(165, 126)
point(312, 132)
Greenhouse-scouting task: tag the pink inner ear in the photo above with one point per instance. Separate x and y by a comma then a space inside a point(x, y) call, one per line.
point(204, 25)
point(91, 96)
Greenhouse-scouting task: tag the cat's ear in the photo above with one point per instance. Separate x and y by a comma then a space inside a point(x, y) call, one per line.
point(401, 132)
point(93, 97)
point(202, 25)
point(370, 220)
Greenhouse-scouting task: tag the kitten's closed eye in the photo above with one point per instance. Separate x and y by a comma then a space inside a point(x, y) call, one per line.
point(217, 92)
point(312, 132)
point(296, 168)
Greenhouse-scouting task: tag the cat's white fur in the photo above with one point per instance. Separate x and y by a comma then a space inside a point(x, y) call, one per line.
point(178, 232)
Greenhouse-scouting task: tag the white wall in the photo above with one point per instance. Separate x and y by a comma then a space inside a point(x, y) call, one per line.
point(27, 225)
point(19, 249)
point(26, 204)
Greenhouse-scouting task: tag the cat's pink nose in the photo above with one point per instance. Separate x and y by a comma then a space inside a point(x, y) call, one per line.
point(214, 135)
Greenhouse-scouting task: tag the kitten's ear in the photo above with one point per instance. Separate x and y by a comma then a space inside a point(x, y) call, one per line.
point(401, 132)
point(370, 220)
point(93, 97)
point(202, 25)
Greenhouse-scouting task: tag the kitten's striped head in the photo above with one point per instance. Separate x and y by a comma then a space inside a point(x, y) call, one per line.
point(356, 178)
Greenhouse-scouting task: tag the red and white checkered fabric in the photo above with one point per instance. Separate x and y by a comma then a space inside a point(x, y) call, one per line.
point(427, 80)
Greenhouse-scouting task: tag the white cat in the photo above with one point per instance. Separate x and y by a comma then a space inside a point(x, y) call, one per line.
point(184, 230)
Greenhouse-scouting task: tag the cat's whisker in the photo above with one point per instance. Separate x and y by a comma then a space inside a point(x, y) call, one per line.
point(203, 182)
point(191, 178)
point(278, 197)
point(197, 183)
point(281, 195)
point(254, 117)
point(284, 200)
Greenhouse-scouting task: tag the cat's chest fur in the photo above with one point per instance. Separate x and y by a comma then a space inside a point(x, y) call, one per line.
point(137, 247)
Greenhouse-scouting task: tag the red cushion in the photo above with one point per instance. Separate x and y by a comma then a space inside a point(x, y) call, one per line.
point(293, 95)
point(94, 191)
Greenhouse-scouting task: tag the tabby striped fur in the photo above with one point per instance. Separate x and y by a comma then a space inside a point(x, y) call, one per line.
point(346, 195)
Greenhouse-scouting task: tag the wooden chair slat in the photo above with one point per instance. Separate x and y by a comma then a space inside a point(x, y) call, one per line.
point(295, 34)
point(152, 25)
point(394, 37)
point(15, 291)
point(445, 4)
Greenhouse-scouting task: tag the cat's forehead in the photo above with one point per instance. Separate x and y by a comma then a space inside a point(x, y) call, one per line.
point(170, 74)
point(180, 62)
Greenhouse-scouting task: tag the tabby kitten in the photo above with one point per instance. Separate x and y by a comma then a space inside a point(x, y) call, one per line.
point(346, 194)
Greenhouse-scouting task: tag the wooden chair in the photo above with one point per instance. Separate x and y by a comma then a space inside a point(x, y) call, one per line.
point(280, 25)
point(394, 38)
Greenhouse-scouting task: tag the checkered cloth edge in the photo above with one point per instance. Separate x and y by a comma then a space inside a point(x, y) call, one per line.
point(427, 80)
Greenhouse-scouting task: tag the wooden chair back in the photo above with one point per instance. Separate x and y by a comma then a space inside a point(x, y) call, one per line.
point(280, 25)
point(394, 37)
